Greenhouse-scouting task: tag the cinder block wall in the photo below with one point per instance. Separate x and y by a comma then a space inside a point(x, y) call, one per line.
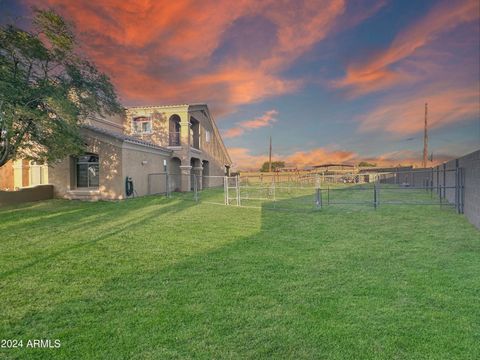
point(471, 164)
point(36, 193)
point(443, 177)
point(420, 177)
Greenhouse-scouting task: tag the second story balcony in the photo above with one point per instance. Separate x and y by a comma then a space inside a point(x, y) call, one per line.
point(195, 141)
point(174, 138)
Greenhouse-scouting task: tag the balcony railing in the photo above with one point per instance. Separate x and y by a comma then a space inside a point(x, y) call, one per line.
point(174, 138)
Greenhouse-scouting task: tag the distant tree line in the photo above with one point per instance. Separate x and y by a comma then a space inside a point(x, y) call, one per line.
point(276, 165)
point(366, 164)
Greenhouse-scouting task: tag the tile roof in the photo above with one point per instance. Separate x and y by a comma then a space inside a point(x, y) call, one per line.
point(125, 138)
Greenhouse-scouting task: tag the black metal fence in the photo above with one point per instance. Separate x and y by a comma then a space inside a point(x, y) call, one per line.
point(315, 191)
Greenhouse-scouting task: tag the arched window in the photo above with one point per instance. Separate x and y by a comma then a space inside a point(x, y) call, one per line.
point(87, 171)
point(174, 130)
point(142, 125)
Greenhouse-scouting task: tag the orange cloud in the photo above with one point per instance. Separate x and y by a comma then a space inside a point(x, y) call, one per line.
point(233, 132)
point(265, 120)
point(243, 160)
point(164, 52)
point(318, 156)
point(405, 115)
point(405, 158)
point(377, 73)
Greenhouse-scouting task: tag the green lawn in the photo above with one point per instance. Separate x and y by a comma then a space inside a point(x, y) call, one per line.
point(157, 278)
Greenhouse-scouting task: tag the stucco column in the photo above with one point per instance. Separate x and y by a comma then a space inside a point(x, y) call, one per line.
point(185, 178)
point(185, 133)
point(198, 171)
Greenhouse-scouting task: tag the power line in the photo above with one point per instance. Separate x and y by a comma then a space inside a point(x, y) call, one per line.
point(425, 138)
point(270, 156)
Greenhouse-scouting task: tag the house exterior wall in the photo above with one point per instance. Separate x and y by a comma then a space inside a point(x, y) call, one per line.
point(38, 174)
point(160, 131)
point(214, 150)
point(113, 123)
point(63, 174)
point(25, 166)
point(123, 156)
point(117, 160)
point(140, 163)
point(192, 159)
point(6, 176)
point(20, 173)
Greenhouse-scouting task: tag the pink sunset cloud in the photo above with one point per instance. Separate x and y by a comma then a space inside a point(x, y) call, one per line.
point(161, 51)
point(242, 156)
point(267, 119)
point(379, 71)
point(244, 160)
point(233, 132)
point(235, 54)
point(403, 115)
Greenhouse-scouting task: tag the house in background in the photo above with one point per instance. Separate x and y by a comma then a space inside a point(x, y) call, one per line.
point(19, 174)
point(143, 147)
point(334, 168)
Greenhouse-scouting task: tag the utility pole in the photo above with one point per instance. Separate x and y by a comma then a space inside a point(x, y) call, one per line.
point(270, 156)
point(425, 139)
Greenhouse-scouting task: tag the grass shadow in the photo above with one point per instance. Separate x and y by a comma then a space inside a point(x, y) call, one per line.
point(251, 283)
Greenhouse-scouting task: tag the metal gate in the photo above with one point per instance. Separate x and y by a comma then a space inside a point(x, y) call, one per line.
point(317, 191)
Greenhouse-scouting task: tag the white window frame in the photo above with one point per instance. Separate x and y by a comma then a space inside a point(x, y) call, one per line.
point(140, 131)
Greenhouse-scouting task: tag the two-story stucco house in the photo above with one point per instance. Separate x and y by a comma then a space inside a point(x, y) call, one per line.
point(144, 146)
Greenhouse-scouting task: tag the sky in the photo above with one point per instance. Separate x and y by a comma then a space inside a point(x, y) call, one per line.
point(328, 80)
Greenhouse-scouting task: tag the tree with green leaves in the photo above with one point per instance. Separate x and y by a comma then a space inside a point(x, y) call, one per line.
point(46, 88)
point(276, 165)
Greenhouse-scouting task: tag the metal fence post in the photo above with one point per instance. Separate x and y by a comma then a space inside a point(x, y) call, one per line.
point(457, 187)
point(456, 191)
point(462, 189)
point(375, 196)
point(378, 195)
point(444, 180)
point(167, 184)
point(431, 185)
point(195, 189)
point(273, 190)
point(237, 185)
point(225, 190)
point(318, 197)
